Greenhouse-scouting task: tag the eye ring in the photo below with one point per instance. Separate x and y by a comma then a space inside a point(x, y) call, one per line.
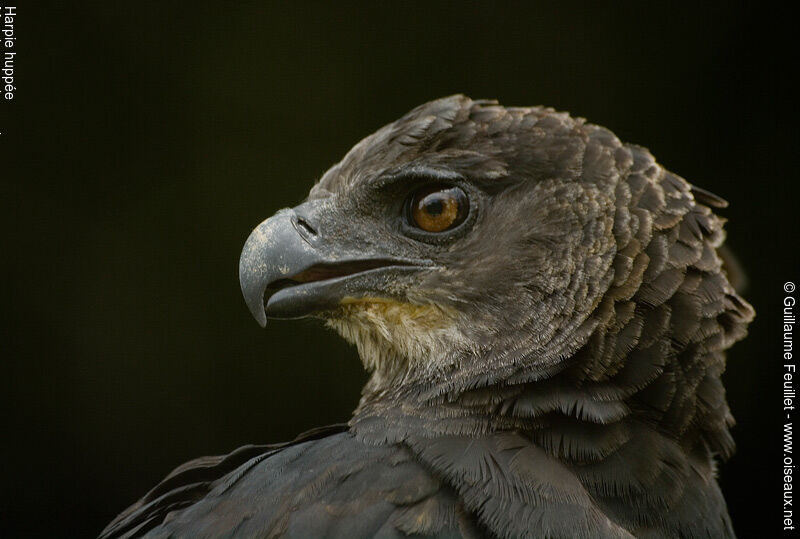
point(437, 208)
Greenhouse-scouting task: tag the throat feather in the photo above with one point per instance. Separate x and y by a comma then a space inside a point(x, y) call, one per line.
point(393, 336)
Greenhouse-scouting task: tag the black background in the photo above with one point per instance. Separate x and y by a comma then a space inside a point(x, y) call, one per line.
point(145, 141)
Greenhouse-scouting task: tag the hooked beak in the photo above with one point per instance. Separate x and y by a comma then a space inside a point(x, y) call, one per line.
point(288, 269)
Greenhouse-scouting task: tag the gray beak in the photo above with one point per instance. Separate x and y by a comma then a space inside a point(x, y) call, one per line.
point(290, 269)
point(275, 250)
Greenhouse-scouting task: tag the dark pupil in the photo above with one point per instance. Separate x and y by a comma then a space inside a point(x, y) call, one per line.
point(434, 205)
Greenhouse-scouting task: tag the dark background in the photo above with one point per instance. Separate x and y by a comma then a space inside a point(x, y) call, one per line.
point(146, 141)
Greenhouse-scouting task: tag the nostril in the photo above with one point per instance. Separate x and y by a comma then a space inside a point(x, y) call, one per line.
point(304, 227)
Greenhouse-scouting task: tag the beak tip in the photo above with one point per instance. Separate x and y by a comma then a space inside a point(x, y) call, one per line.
point(253, 291)
point(254, 298)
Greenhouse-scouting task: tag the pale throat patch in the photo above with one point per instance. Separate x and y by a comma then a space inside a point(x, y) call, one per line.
point(392, 336)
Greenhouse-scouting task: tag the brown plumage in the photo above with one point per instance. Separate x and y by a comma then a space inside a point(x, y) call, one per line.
point(549, 367)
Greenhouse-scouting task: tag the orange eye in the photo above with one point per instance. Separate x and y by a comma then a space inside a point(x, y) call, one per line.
point(438, 208)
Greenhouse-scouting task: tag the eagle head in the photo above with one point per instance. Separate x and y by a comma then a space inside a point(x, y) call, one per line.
point(470, 245)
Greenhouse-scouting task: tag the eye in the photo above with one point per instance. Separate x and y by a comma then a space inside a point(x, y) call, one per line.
point(438, 208)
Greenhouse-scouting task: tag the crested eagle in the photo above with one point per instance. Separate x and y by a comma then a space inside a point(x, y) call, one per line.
point(544, 311)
